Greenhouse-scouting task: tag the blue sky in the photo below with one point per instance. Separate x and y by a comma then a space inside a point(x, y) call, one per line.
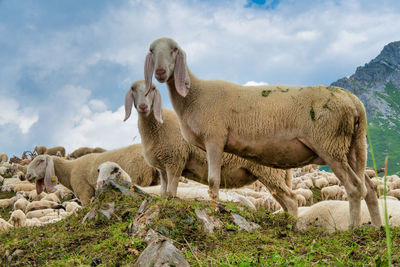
point(66, 65)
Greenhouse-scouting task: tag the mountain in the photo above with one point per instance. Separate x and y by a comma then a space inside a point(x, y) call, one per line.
point(377, 84)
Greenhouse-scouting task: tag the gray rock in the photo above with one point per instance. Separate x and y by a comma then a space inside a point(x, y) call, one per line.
point(243, 224)
point(208, 223)
point(160, 252)
point(106, 210)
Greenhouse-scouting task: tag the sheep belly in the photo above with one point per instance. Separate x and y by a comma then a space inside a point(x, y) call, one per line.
point(277, 152)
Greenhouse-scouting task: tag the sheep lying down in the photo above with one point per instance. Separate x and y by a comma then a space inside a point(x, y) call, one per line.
point(334, 215)
point(194, 190)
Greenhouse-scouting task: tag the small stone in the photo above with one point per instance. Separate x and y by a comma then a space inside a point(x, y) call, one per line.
point(208, 223)
point(243, 223)
point(160, 252)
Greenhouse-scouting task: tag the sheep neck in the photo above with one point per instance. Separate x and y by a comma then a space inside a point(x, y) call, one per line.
point(179, 102)
point(149, 127)
point(63, 169)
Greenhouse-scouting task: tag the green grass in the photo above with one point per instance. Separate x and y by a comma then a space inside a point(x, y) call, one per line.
point(276, 242)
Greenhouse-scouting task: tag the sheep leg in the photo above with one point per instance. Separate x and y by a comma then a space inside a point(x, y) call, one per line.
point(164, 182)
point(372, 203)
point(357, 157)
point(173, 181)
point(354, 186)
point(214, 158)
point(288, 201)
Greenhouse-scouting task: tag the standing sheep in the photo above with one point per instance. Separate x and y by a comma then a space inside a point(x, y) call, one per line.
point(277, 126)
point(165, 149)
point(80, 175)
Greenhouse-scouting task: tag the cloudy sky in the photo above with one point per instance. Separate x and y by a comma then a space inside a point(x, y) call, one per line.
point(65, 65)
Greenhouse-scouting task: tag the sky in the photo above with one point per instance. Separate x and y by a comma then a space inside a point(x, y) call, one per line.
point(65, 66)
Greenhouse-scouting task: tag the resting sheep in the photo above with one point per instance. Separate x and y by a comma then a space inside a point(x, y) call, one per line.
point(80, 175)
point(334, 215)
point(40, 150)
point(3, 157)
point(18, 219)
point(4, 225)
point(21, 204)
point(84, 151)
point(277, 126)
point(111, 171)
point(165, 149)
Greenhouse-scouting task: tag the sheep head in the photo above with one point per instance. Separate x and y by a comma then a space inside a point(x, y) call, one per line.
point(144, 103)
point(169, 61)
point(42, 170)
point(110, 171)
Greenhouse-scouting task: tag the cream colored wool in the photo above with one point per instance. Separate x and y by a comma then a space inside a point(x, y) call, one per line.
point(40, 150)
point(333, 215)
point(277, 125)
point(306, 193)
point(80, 175)
point(20, 204)
point(3, 157)
point(333, 192)
point(4, 225)
point(56, 151)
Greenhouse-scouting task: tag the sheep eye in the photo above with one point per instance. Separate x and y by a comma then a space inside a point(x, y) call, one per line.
point(115, 170)
point(175, 49)
point(98, 170)
point(154, 88)
point(151, 50)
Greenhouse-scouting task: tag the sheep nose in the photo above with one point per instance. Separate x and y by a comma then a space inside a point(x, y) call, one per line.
point(143, 106)
point(160, 71)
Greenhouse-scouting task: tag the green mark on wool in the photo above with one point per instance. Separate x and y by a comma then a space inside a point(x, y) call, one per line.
point(265, 93)
point(312, 114)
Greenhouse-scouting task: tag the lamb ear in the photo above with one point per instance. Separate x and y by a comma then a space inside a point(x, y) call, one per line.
point(148, 71)
point(128, 104)
point(50, 178)
point(181, 76)
point(157, 105)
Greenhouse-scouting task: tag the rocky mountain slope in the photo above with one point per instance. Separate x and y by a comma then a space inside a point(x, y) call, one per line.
point(377, 83)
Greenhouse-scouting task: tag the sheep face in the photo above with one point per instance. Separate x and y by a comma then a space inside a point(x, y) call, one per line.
point(109, 171)
point(167, 60)
point(42, 170)
point(144, 103)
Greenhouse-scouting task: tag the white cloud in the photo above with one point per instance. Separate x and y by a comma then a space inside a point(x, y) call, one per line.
point(253, 83)
point(100, 128)
point(299, 42)
point(11, 113)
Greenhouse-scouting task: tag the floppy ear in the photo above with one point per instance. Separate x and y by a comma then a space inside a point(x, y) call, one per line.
point(50, 178)
point(181, 76)
point(148, 71)
point(157, 105)
point(128, 104)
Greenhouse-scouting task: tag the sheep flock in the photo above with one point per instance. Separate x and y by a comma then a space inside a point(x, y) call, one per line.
point(238, 154)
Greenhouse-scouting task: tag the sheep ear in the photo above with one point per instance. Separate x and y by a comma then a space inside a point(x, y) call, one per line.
point(181, 76)
point(128, 104)
point(157, 105)
point(50, 178)
point(148, 71)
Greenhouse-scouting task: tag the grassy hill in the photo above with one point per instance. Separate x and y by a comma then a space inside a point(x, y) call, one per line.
point(276, 242)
